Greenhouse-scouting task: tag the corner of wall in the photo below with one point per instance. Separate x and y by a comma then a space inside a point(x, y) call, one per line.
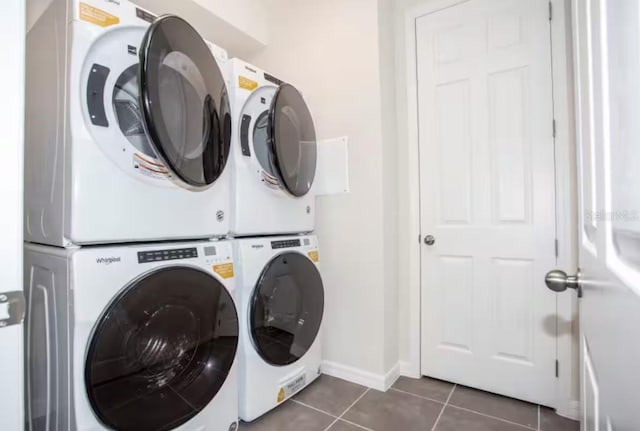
point(405, 232)
point(388, 130)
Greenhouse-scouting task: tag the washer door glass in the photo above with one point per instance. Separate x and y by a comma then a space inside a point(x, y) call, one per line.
point(293, 140)
point(184, 102)
point(127, 110)
point(286, 309)
point(261, 145)
point(161, 351)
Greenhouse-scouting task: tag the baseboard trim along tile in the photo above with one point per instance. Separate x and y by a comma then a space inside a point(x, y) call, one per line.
point(570, 410)
point(408, 370)
point(380, 382)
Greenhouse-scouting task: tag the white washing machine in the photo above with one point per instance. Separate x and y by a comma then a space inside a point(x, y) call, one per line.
point(281, 304)
point(127, 127)
point(131, 338)
point(273, 154)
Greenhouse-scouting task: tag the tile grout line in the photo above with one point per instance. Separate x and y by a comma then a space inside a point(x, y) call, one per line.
point(492, 417)
point(464, 408)
point(332, 424)
point(349, 408)
point(314, 408)
point(354, 403)
point(538, 417)
point(446, 403)
point(354, 424)
point(444, 406)
point(337, 418)
point(416, 395)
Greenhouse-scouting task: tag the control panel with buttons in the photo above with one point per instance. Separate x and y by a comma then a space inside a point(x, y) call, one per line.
point(287, 243)
point(171, 254)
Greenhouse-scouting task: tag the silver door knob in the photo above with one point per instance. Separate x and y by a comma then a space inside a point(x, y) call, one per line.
point(429, 240)
point(558, 281)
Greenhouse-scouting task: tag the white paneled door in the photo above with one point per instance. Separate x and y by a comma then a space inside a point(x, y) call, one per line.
point(12, 34)
point(487, 196)
point(607, 72)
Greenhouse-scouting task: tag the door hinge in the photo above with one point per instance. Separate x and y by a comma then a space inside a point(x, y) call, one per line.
point(557, 247)
point(550, 11)
point(553, 127)
point(12, 308)
point(557, 368)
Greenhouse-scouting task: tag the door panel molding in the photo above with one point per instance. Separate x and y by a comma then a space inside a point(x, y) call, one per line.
point(566, 195)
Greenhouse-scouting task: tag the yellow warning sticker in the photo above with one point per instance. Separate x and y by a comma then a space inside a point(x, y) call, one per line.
point(97, 16)
point(281, 395)
point(247, 84)
point(313, 255)
point(224, 270)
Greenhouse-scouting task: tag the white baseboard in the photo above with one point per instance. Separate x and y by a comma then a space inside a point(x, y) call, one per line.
point(407, 369)
point(391, 376)
point(570, 409)
point(380, 382)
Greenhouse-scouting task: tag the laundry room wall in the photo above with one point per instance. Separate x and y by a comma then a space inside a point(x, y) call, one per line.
point(390, 176)
point(246, 15)
point(238, 26)
point(341, 58)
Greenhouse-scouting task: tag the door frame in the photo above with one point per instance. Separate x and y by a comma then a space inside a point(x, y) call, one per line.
point(567, 393)
point(13, 19)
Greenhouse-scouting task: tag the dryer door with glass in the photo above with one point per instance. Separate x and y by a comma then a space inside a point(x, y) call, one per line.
point(156, 103)
point(184, 102)
point(292, 140)
point(286, 309)
point(165, 345)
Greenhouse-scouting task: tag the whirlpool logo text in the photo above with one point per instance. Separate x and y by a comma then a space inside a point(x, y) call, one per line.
point(108, 260)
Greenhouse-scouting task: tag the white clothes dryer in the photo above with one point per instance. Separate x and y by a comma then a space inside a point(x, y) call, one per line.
point(131, 338)
point(127, 127)
point(281, 305)
point(274, 155)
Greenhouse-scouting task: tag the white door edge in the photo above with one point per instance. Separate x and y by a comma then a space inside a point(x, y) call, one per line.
point(12, 30)
point(567, 390)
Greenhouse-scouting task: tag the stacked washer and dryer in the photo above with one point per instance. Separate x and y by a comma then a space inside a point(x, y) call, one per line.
point(131, 299)
point(280, 291)
point(147, 150)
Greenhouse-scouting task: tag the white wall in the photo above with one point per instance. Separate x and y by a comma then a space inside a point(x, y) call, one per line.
point(390, 145)
point(238, 25)
point(332, 51)
point(12, 32)
point(246, 15)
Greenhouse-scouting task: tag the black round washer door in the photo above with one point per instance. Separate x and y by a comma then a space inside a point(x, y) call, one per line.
point(293, 140)
point(161, 351)
point(184, 102)
point(286, 309)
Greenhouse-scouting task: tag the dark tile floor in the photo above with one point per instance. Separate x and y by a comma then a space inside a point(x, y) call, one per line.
point(410, 405)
